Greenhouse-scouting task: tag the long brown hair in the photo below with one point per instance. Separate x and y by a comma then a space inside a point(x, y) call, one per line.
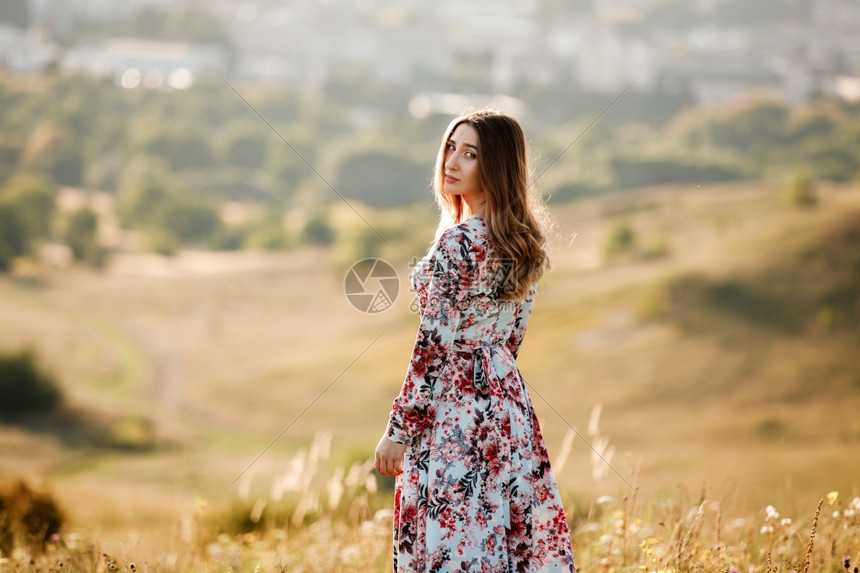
point(516, 217)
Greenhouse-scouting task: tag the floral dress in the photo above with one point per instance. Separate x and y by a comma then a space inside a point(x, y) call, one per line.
point(477, 492)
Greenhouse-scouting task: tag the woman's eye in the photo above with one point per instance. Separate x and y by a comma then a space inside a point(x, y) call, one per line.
point(469, 154)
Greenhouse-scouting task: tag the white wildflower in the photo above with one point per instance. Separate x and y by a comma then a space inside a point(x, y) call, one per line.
point(770, 512)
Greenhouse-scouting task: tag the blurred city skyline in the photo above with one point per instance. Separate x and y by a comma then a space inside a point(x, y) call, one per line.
point(713, 50)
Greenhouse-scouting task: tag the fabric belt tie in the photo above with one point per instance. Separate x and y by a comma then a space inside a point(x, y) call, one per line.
point(492, 362)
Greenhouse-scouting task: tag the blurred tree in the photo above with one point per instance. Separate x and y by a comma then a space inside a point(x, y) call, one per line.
point(141, 199)
point(80, 105)
point(229, 238)
point(280, 105)
point(287, 168)
point(381, 179)
point(268, 232)
point(191, 221)
point(357, 241)
point(162, 242)
point(52, 149)
point(11, 147)
point(621, 240)
point(750, 124)
point(811, 122)
point(283, 163)
point(15, 12)
point(25, 386)
point(317, 230)
point(559, 104)
point(230, 183)
point(33, 198)
point(246, 146)
point(830, 158)
point(82, 236)
point(362, 91)
point(183, 146)
point(655, 107)
point(105, 172)
point(14, 237)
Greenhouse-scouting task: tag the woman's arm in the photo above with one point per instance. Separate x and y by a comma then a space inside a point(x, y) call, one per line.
point(451, 269)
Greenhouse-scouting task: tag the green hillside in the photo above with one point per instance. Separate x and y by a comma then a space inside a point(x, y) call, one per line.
point(734, 360)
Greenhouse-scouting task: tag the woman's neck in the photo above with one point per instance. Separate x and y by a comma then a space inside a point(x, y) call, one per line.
point(473, 207)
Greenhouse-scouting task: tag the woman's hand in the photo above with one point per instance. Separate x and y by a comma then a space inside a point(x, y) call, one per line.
point(389, 457)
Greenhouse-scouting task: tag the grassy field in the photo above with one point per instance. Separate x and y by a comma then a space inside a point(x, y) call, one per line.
point(714, 365)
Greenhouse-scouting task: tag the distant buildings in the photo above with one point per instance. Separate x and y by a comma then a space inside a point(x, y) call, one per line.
point(151, 64)
point(26, 51)
point(494, 46)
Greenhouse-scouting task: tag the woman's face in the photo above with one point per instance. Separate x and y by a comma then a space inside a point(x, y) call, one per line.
point(462, 175)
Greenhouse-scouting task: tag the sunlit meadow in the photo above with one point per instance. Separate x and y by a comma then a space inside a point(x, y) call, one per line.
point(653, 478)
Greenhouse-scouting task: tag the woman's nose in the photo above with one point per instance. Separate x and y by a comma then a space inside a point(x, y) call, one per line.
point(451, 162)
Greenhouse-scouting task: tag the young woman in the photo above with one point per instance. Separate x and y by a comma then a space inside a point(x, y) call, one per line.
point(474, 488)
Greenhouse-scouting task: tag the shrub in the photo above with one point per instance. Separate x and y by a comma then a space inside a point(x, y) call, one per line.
point(28, 519)
point(133, 433)
point(358, 241)
point(317, 230)
point(25, 387)
point(191, 221)
point(829, 158)
point(33, 197)
point(82, 237)
point(183, 147)
point(141, 198)
point(246, 147)
point(621, 240)
point(162, 242)
point(801, 190)
point(404, 181)
point(52, 150)
point(268, 232)
point(14, 236)
point(26, 210)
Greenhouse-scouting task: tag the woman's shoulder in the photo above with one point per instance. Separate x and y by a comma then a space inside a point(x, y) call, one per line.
point(463, 237)
point(471, 228)
point(468, 231)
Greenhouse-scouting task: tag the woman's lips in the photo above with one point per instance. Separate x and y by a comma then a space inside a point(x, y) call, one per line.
point(450, 179)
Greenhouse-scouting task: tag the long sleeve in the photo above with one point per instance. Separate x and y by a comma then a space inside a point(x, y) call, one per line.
point(449, 267)
point(521, 321)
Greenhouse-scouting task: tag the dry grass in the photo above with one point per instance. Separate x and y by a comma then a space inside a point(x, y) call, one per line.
point(315, 516)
